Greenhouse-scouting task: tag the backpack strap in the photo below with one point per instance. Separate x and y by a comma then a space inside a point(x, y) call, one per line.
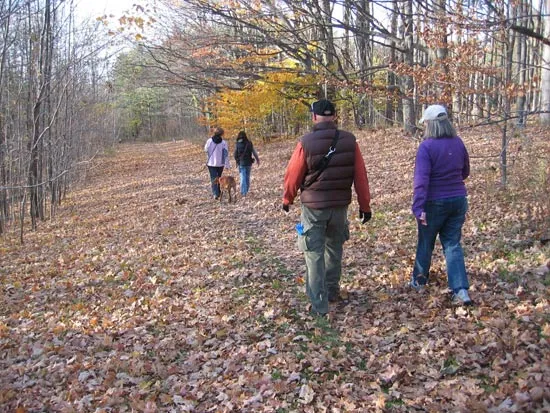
point(323, 162)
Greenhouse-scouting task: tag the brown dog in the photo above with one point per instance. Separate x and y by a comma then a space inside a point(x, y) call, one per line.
point(227, 184)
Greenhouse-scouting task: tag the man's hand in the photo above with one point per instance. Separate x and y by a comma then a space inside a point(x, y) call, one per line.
point(285, 207)
point(365, 216)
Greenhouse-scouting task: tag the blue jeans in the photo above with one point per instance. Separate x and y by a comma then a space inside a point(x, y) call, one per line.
point(245, 178)
point(445, 217)
point(215, 172)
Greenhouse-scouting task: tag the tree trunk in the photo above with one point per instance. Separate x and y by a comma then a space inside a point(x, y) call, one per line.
point(508, 57)
point(4, 210)
point(362, 46)
point(391, 78)
point(521, 57)
point(545, 82)
point(407, 81)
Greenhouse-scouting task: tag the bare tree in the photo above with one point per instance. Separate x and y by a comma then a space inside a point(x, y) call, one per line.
point(545, 83)
point(48, 106)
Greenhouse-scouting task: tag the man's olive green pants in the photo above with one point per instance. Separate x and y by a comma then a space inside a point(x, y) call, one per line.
point(322, 241)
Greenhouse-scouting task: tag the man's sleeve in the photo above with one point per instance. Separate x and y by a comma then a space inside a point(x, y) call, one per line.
point(361, 181)
point(295, 173)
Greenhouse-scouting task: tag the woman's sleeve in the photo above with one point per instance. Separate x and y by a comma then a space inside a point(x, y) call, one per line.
point(226, 154)
point(422, 172)
point(255, 155)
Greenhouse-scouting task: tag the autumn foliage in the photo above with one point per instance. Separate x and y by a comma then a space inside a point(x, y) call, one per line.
point(259, 107)
point(146, 295)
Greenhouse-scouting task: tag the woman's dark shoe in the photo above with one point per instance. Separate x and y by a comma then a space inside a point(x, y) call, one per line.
point(461, 298)
point(338, 297)
point(419, 283)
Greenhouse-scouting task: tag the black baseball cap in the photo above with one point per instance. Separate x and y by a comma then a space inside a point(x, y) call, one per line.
point(323, 107)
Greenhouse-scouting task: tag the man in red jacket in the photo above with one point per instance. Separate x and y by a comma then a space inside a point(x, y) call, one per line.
point(325, 196)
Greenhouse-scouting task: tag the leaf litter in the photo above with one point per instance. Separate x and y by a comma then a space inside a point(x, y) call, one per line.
point(144, 294)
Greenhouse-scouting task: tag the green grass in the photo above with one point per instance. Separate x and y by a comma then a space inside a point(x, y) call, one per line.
point(276, 375)
point(394, 403)
point(485, 384)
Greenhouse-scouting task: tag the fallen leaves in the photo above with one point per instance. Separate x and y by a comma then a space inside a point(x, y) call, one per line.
point(155, 299)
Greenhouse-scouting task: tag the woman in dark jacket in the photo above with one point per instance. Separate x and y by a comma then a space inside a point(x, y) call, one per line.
point(244, 150)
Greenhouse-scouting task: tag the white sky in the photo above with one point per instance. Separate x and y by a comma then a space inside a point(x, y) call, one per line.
point(95, 8)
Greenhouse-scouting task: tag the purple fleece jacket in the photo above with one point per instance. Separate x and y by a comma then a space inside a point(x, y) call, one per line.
point(441, 166)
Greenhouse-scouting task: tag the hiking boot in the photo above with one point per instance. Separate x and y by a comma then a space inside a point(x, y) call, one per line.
point(461, 297)
point(338, 297)
point(419, 282)
point(314, 313)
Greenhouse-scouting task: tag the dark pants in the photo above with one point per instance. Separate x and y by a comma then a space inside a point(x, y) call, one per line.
point(215, 172)
point(445, 217)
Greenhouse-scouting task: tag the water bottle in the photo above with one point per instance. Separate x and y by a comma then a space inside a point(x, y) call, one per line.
point(300, 228)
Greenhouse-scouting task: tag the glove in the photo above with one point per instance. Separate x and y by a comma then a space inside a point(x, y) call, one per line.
point(285, 207)
point(365, 216)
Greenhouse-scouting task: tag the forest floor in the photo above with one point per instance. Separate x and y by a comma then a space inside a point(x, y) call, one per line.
point(144, 294)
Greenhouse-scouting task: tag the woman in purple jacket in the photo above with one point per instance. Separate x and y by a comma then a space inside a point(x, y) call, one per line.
point(439, 201)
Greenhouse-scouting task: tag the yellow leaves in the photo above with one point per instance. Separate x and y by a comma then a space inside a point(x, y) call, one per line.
point(248, 108)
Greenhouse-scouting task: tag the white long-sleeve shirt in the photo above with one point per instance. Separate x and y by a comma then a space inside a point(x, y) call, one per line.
point(217, 153)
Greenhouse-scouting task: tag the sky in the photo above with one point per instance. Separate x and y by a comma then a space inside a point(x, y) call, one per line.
point(94, 8)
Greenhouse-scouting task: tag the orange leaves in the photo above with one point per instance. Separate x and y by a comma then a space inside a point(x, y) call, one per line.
point(4, 330)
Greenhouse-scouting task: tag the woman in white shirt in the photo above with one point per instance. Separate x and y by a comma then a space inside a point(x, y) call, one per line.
point(217, 150)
